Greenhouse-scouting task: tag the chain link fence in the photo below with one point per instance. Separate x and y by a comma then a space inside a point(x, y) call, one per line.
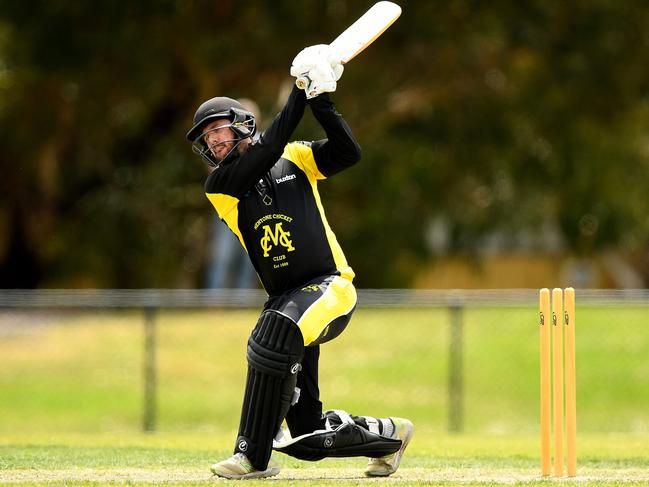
point(454, 361)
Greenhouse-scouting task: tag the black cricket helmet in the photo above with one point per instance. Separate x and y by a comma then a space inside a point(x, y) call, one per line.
point(242, 123)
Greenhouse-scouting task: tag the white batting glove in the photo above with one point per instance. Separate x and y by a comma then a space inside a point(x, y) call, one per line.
point(317, 68)
point(321, 78)
point(309, 57)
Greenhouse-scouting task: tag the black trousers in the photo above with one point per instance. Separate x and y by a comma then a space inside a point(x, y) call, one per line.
point(322, 309)
point(306, 416)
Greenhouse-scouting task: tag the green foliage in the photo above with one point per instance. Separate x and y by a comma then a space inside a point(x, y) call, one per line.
point(498, 119)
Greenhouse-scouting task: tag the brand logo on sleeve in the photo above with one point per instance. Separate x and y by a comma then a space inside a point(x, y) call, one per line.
point(285, 178)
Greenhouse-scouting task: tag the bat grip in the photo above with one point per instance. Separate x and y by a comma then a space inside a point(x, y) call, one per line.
point(302, 82)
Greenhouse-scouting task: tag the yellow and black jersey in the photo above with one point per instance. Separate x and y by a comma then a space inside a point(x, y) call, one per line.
point(269, 197)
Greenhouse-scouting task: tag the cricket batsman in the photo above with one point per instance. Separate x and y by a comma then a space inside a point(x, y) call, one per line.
point(266, 191)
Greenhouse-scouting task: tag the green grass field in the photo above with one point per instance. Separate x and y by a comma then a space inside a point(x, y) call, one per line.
point(182, 459)
point(71, 396)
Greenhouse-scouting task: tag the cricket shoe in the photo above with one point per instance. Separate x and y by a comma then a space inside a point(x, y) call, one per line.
point(387, 465)
point(239, 467)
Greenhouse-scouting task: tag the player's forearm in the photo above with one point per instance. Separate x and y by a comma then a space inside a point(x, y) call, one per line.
point(280, 130)
point(341, 148)
point(241, 175)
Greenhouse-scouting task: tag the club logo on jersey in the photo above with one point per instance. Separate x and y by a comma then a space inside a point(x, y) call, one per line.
point(275, 237)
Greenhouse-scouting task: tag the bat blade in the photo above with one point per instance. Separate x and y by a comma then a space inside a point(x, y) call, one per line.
point(365, 30)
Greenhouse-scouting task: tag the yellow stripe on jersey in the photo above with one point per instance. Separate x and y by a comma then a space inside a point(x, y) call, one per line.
point(336, 250)
point(302, 156)
point(226, 207)
point(338, 300)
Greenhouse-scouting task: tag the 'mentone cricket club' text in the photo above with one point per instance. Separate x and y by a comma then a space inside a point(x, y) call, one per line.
point(274, 216)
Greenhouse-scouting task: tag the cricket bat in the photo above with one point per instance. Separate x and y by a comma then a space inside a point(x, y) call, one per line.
point(361, 34)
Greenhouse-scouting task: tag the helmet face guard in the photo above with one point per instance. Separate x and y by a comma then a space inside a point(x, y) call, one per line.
point(242, 123)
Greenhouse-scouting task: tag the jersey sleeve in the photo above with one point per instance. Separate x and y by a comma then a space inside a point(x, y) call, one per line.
point(239, 176)
point(340, 149)
point(301, 154)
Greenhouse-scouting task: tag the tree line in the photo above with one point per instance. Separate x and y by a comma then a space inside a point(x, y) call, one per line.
point(508, 125)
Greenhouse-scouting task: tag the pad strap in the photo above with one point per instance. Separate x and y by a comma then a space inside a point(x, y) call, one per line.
point(372, 424)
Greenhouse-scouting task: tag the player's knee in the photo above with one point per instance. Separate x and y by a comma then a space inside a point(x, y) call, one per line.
point(276, 345)
point(332, 330)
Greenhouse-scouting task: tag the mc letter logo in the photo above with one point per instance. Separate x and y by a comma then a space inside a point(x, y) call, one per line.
point(278, 237)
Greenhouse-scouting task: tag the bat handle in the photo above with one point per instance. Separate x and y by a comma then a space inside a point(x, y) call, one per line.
point(302, 82)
